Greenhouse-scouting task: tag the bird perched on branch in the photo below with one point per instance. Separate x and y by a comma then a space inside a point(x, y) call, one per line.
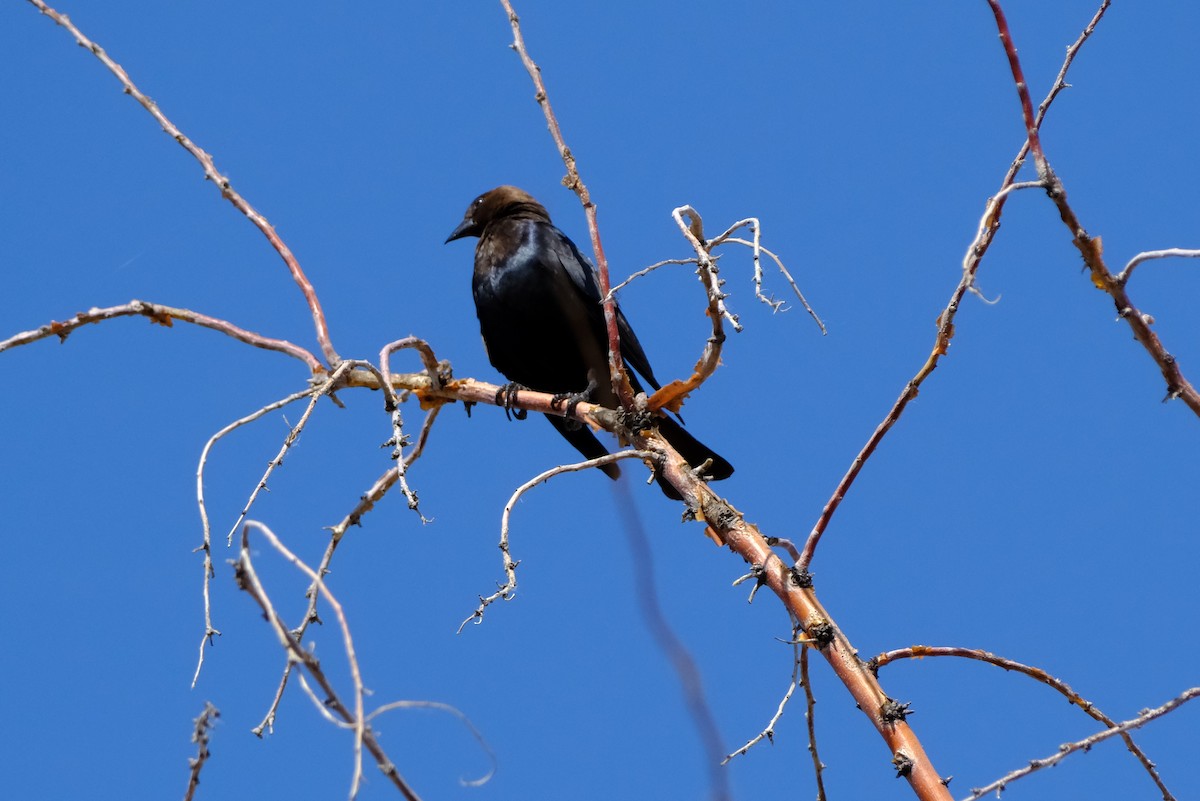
point(542, 320)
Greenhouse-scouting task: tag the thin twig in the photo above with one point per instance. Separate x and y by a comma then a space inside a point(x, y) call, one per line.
point(768, 731)
point(646, 271)
point(293, 434)
point(365, 504)
point(1085, 744)
point(209, 630)
point(673, 394)
point(210, 173)
point(364, 736)
point(505, 591)
point(466, 721)
point(681, 660)
point(810, 717)
point(775, 304)
point(1123, 276)
point(202, 727)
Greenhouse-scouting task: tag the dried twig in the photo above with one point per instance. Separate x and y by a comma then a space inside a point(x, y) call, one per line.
point(1122, 277)
point(810, 717)
point(364, 736)
point(327, 386)
point(365, 504)
point(675, 392)
point(646, 271)
point(505, 591)
point(768, 731)
point(200, 735)
point(1085, 744)
point(206, 546)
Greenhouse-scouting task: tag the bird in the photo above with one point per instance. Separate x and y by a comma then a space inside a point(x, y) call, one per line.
point(542, 320)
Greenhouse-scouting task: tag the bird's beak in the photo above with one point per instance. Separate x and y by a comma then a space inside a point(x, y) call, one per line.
point(465, 228)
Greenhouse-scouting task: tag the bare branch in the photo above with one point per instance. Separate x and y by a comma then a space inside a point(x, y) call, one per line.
point(163, 315)
point(209, 630)
point(249, 582)
point(1123, 276)
point(326, 387)
point(1085, 744)
point(1074, 698)
point(505, 591)
point(768, 731)
point(810, 717)
point(646, 271)
point(775, 304)
point(985, 235)
point(210, 173)
point(1091, 247)
point(616, 365)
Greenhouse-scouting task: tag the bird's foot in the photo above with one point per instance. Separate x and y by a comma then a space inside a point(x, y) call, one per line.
point(506, 396)
point(572, 401)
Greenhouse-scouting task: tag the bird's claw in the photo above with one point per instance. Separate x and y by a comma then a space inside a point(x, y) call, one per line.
point(572, 401)
point(506, 396)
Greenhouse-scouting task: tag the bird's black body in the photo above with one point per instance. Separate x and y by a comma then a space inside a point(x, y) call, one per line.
point(540, 313)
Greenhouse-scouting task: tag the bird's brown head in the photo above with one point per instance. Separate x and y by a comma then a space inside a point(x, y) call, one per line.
point(503, 202)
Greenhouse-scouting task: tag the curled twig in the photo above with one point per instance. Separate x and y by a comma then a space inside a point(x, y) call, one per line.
point(504, 592)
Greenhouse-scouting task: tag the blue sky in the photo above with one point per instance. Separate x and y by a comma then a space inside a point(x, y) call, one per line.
point(1037, 500)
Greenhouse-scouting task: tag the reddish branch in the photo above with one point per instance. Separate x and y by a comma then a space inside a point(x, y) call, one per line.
point(794, 590)
point(210, 173)
point(1090, 247)
point(163, 315)
point(573, 182)
point(988, 228)
point(1037, 674)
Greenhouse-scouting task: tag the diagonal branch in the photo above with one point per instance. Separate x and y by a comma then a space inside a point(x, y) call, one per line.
point(210, 173)
point(1090, 247)
point(988, 227)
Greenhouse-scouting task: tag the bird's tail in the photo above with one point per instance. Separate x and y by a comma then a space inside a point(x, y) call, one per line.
point(693, 451)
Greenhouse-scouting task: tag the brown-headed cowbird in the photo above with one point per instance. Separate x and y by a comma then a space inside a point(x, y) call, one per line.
point(540, 312)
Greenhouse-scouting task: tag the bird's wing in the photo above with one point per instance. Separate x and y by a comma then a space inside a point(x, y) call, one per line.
point(583, 277)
